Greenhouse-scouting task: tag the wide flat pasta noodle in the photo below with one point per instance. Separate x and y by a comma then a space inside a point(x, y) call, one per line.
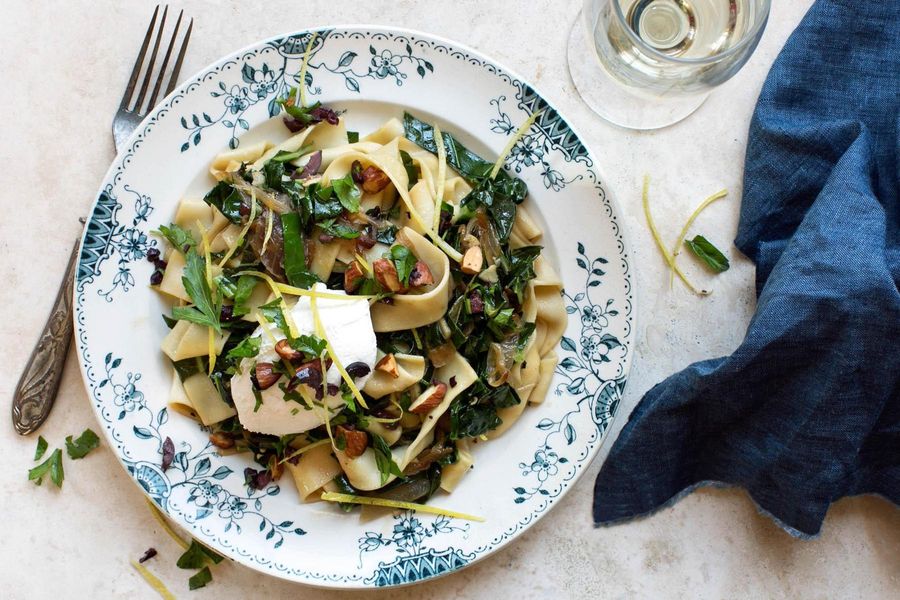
point(313, 470)
point(410, 369)
point(229, 162)
point(459, 370)
point(542, 387)
point(362, 471)
point(453, 473)
point(178, 400)
point(391, 129)
point(415, 310)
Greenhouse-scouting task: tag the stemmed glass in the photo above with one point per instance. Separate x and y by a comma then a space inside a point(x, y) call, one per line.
point(646, 64)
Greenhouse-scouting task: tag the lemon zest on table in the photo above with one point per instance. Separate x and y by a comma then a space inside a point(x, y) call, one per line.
point(320, 331)
point(659, 243)
point(244, 231)
point(157, 514)
point(303, 450)
point(153, 581)
point(425, 508)
point(520, 132)
point(442, 176)
point(676, 249)
point(301, 85)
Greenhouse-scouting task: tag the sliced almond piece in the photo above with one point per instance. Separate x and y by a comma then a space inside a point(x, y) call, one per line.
point(388, 364)
point(353, 277)
point(386, 274)
point(429, 399)
point(374, 180)
point(420, 275)
point(355, 441)
point(472, 261)
point(266, 375)
point(284, 350)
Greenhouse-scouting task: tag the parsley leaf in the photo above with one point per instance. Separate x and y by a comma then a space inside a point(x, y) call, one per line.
point(273, 314)
point(411, 173)
point(242, 291)
point(352, 137)
point(384, 460)
point(177, 236)
point(347, 192)
point(404, 260)
point(200, 579)
point(41, 448)
point(339, 230)
point(206, 310)
point(53, 466)
point(310, 345)
point(246, 349)
point(80, 448)
point(708, 253)
point(196, 556)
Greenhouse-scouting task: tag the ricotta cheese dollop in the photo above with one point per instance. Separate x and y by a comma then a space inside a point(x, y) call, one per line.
point(348, 327)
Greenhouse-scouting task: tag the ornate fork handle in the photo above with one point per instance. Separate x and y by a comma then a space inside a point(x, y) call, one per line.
point(40, 380)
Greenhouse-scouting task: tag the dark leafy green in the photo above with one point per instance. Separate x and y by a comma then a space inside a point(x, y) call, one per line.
point(198, 555)
point(347, 192)
point(227, 199)
point(339, 230)
point(709, 254)
point(325, 205)
point(206, 309)
point(474, 412)
point(248, 348)
point(295, 252)
point(243, 290)
point(284, 156)
point(80, 447)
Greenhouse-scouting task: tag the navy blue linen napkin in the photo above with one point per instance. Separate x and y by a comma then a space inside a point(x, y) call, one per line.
point(807, 410)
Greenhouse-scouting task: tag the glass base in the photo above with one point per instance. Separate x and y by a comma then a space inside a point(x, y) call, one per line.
point(611, 99)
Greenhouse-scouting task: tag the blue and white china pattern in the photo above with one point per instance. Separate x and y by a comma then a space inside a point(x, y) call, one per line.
point(118, 326)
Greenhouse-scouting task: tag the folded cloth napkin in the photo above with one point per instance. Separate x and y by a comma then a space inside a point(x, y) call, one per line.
point(807, 410)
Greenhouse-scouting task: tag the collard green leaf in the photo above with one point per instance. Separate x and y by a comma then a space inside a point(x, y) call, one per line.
point(709, 254)
point(339, 230)
point(411, 172)
point(295, 252)
point(227, 199)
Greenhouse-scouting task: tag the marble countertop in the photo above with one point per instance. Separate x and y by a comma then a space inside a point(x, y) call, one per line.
point(64, 66)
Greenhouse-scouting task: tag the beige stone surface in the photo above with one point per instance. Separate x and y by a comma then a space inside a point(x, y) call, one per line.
point(63, 66)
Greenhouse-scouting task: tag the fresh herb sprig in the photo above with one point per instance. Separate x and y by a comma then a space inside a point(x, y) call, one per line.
point(207, 308)
point(711, 256)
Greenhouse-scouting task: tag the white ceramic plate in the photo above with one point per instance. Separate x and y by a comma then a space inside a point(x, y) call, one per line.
point(374, 73)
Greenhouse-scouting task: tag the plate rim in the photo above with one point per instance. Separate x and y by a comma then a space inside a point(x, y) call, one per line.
point(626, 254)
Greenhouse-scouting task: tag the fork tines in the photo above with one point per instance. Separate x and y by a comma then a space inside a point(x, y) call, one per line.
point(150, 73)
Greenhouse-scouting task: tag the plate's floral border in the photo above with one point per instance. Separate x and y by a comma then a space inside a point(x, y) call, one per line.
point(191, 489)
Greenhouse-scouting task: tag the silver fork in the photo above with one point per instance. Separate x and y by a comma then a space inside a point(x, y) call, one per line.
point(39, 382)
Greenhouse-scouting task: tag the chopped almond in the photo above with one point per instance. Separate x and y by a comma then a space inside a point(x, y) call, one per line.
point(386, 274)
point(353, 277)
point(284, 350)
point(266, 375)
point(420, 275)
point(355, 441)
point(388, 365)
point(472, 261)
point(429, 399)
point(374, 180)
point(221, 440)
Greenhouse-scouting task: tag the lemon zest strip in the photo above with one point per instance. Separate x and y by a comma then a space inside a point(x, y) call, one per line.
point(521, 131)
point(425, 508)
point(676, 249)
point(301, 85)
point(158, 586)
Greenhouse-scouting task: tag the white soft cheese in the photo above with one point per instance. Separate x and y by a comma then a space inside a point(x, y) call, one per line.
point(348, 327)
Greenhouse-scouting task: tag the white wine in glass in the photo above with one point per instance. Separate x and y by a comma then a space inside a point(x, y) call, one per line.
point(645, 64)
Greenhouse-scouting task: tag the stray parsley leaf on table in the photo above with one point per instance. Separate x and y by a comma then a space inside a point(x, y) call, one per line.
point(53, 466)
point(200, 579)
point(80, 447)
point(41, 448)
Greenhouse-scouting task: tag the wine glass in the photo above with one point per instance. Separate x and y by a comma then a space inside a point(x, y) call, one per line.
point(646, 64)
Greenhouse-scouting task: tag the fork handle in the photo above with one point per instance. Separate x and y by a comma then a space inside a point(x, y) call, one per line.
point(39, 383)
